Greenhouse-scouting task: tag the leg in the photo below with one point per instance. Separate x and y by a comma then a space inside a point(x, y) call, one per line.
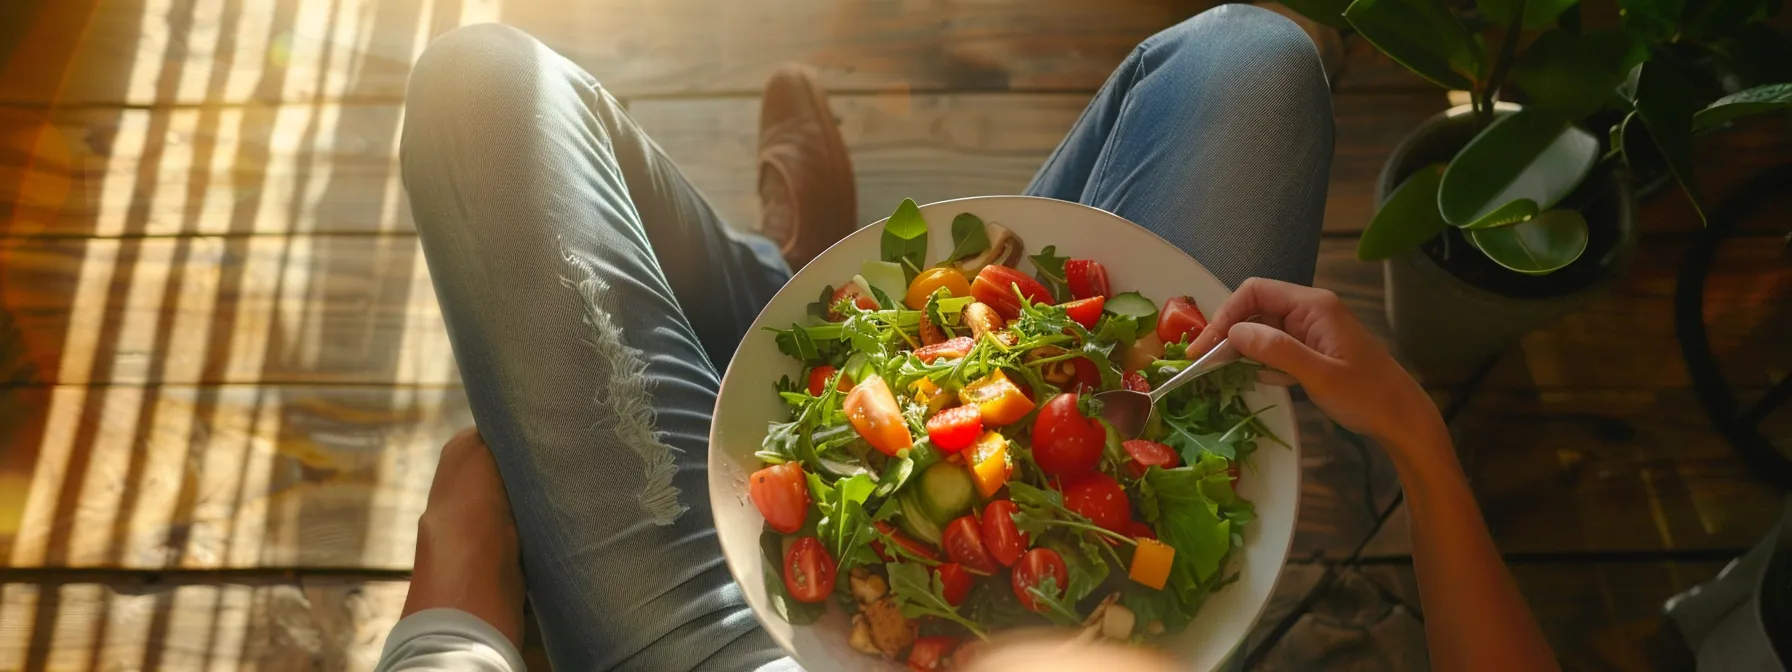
point(1217, 135)
point(563, 245)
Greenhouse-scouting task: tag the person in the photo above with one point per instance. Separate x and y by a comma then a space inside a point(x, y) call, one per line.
point(591, 295)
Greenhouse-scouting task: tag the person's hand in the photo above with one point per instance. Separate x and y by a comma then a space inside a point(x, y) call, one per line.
point(467, 553)
point(1309, 334)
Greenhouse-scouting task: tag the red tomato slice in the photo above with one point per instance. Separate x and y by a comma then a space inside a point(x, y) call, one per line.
point(781, 492)
point(956, 582)
point(956, 428)
point(964, 545)
point(1087, 278)
point(1085, 377)
point(903, 540)
point(1144, 454)
point(1086, 312)
point(860, 298)
point(1032, 570)
point(808, 571)
point(952, 349)
point(818, 380)
point(1004, 541)
point(1180, 321)
point(1136, 529)
point(995, 286)
point(1100, 499)
point(1064, 442)
point(931, 654)
point(873, 412)
point(1135, 381)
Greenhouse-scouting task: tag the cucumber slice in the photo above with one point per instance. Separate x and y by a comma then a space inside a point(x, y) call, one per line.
point(887, 277)
point(856, 367)
point(912, 520)
point(1134, 305)
point(946, 491)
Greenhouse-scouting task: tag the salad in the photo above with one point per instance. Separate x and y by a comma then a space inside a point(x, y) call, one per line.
point(944, 473)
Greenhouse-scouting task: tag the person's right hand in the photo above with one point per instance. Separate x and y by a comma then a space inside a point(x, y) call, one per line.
point(1309, 334)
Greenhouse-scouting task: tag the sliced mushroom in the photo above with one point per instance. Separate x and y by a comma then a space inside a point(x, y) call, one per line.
point(1118, 622)
point(1004, 248)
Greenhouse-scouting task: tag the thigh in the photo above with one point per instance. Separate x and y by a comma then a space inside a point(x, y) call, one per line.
point(585, 377)
point(1217, 135)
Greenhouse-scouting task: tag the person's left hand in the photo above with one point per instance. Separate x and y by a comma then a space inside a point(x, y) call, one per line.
point(467, 553)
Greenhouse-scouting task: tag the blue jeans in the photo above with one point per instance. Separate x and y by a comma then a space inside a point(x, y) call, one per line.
point(591, 294)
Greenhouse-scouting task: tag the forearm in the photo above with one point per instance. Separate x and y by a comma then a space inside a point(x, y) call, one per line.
point(1475, 617)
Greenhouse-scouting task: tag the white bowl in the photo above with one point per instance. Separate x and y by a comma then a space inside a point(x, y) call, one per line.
point(1136, 259)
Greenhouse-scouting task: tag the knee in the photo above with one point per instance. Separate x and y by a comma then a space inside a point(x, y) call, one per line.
point(1244, 46)
point(481, 69)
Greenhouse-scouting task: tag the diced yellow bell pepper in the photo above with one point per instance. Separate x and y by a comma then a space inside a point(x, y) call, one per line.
point(998, 399)
point(989, 463)
point(1151, 562)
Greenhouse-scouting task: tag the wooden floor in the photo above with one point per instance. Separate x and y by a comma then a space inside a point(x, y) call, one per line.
point(224, 378)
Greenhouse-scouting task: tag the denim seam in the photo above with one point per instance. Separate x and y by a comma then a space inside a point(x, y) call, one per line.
point(1093, 190)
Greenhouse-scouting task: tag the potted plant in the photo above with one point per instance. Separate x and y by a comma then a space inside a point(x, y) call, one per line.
point(1501, 215)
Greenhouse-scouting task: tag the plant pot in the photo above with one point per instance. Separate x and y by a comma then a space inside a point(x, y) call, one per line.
point(1449, 306)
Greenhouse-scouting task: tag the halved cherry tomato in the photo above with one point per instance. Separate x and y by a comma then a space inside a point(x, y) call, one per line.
point(1139, 530)
point(781, 492)
point(903, 540)
point(860, 298)
point(931, 654)
point(1135, 381)
point(1144, 454)
point(808, 571)
point(963, 541)
point(995, 286)
point(955, 581)
point(1087, 278)
point(818, 380)
point(955, 428)
point(1032, 570)
point(872, 410)
point(1085, 312)
point(989, 463)
point(952, 349)
point(1180, 321)
point(931, 280)
point(1064, 442)
point(1004, 541)
point(1100, 499)
point(1084, 376)
point(999, 400)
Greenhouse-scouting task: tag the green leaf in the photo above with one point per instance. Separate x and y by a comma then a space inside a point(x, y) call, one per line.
point(1506, 215)
point(1083, 562)
point(1651, 21)
point(1051, 271)
point(969, 238)
point(844, 527)
point(1537, 14)
point(1664, 101)
point(1422, 35)
point(921, 593)
point(1328, 12)
point(1719, 18)
point(905, 238)
point(1409, 217)
point(1531, 154)
point(798, 343)
point(1764, 98)
point(1573, 76)
point(1540, 246)
point(1189, 522)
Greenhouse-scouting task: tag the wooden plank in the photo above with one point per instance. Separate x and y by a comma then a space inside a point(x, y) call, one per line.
point(207, 478)
point(289, 624)
point(1353, 626)
point(1296, 582)
point(1346, 482)
point(146, 52)
point(1367, 127)
point(1366, 69)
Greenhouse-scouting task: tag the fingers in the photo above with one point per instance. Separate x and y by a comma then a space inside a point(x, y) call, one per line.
point(1278, 350)
point(1267, 300)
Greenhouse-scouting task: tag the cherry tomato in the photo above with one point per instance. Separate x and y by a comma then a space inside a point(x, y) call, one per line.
point(1087, 278)
point(956, 582)
point(1100, 499)
point(781, 492)
point(1233, 472)
point(1135, 381)
point(1144, 454)
point(1136, 529)
point(1180, 321)
point(808, 571)
point(1032, 569)
point(1084, 377)
point(964, 545)
point(952, 349)
point(903, 540)
point(1064, 442)
point(995, 286)
point(818, 380)
point(931, 280)
point(873, 412)
point(1004, 541)
point(1085, 312)
point(931, 654)
point(860, 298)
point(955, 428)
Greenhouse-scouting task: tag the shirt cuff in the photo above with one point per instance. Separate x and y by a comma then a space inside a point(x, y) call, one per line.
point(448, 639)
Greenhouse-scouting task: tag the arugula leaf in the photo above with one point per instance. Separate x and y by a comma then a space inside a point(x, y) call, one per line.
point(968, 237)
point(1051, 271)
point(994, 605)
point(1054, 608)
point(1190, 522)
point(844, 527)
point(905, 238)
point(798, 344)
point(1084, 563)
point(819, 307)
point(921, 593)
point(1041, 510)
point(771, 544)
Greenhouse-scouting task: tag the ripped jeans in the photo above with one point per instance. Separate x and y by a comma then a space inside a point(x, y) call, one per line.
point(592, 295)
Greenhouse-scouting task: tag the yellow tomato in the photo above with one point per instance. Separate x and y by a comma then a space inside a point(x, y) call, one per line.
point(873, 412)
point(931, 280)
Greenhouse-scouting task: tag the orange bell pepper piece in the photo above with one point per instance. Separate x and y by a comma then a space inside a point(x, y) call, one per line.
point(1151, 562)
point(999, 400)
point(989, 463)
